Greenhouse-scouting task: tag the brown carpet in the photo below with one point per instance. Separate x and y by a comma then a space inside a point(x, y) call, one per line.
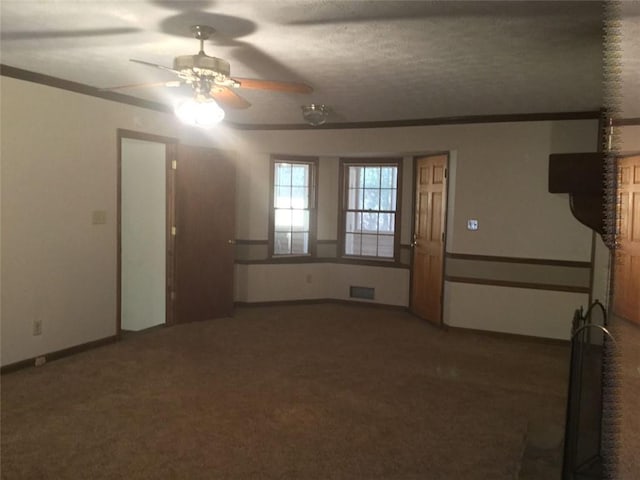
point(300, 392)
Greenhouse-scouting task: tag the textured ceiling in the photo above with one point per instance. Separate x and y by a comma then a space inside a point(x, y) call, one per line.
point(367, 60)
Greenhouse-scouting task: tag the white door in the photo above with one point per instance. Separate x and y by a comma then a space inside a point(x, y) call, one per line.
point(143, 234)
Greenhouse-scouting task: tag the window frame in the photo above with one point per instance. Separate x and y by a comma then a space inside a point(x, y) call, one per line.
point(313, 204)
point(345, 163)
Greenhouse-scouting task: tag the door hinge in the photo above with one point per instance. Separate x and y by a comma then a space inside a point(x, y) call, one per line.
point(443, 237)
point(445, 172)
point(173, 231)
point(174, 164)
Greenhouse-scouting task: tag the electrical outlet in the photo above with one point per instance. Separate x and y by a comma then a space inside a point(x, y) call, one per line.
point(37, 327)
point(40, 361)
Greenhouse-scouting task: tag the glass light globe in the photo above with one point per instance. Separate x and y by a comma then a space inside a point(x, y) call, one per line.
point(201, 114)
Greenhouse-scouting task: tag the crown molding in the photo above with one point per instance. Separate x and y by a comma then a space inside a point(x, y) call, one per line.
point(29, 76)
point(55, 82)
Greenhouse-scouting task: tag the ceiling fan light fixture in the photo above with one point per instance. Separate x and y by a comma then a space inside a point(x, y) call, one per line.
point(315, 114)
point(200, 113)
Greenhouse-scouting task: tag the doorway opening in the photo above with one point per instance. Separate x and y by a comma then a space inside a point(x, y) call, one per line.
point(145, 200)
point(176, 229)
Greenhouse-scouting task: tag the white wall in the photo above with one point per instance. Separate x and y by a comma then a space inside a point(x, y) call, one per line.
point(143, 233)
point(59, 164)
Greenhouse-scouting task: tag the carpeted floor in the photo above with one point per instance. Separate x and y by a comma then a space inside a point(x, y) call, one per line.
point(299, 392)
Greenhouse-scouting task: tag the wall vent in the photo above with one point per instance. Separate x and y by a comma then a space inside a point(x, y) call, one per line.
point(366, 293)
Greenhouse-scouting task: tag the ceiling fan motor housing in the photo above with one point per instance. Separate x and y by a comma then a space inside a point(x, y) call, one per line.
point(203, 65)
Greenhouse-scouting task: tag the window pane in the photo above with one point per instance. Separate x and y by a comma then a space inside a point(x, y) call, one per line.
point(356, 177)
point(282, 243)
point(369, 245)
point(385, 199)
point(353, 222)
point(388, 177)
point(300, 220)
point(386, 222)
point(352, 244)
point(291, 207)
point(299, 243)
point(283, 220)
point(299, 197)
point(355, 200)
point(385, 246)
point(372, 177)
point(388, 199)
point(371, 189)
point(283, 197)
point(300, 175)
point(372, 199)
point(370, 222)
point(282, 174)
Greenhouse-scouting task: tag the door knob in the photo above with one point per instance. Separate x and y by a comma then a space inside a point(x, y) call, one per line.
point(231, 242)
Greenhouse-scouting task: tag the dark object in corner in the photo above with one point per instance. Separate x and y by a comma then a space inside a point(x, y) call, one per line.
point(581, 175)
point(590, 344)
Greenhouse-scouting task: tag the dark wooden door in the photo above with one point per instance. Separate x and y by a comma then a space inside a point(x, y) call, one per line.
point(428, 239)
point(626, 290)
point(203, 241)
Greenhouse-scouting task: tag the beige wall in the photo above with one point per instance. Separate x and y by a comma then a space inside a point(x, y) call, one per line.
point(627, 139)
point(59, 164)
point(267, 283)
point(500, 179)
point(523, 311)
point(498, 176)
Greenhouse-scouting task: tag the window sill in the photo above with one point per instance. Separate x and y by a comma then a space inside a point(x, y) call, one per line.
point(302, 258)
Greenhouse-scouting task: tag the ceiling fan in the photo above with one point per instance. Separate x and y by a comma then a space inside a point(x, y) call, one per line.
point(210, 77)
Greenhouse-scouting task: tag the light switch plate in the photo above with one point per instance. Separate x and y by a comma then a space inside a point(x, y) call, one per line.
point(472, 224)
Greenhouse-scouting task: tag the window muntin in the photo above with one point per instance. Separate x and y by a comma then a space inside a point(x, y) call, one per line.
point(293, 207)
point(370, 209)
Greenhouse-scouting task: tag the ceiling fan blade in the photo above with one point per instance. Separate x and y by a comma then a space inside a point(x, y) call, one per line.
point(175, 83)
point(286, 87)
point(228, 98)
point(149, 64)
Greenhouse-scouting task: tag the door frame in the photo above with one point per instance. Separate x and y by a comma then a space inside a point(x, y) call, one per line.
point(445, 227)
point(170, 145)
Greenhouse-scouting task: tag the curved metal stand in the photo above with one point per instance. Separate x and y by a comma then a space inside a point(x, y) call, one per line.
point(587, 325)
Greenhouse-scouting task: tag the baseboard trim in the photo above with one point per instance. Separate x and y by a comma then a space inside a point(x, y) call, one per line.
point(51, 356)
point(312, 301)
point(510, 336)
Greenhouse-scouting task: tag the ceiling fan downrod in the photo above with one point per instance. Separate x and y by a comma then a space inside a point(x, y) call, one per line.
point(202, 33)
